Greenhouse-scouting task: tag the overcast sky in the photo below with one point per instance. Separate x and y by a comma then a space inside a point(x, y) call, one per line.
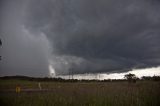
point(78, 36)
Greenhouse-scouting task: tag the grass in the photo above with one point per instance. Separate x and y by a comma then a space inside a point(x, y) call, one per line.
point(142, 93)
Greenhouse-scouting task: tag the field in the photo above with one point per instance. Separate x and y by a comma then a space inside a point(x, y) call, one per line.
point(142, 93)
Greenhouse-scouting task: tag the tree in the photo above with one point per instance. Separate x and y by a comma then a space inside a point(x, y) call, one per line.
point(131, 78)
point(0, 45)
point(0, 42)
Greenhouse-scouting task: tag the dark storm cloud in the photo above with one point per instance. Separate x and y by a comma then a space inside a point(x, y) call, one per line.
point(109, 34)
point(93, 36)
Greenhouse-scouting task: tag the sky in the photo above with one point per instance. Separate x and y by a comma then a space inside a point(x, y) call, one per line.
point(62, 37)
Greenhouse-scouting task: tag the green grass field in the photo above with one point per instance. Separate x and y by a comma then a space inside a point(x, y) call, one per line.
point(142, 93)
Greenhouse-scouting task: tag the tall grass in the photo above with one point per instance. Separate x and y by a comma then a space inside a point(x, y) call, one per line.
point(82, 94)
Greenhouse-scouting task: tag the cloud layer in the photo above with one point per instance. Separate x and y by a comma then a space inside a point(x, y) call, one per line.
point(90, 36)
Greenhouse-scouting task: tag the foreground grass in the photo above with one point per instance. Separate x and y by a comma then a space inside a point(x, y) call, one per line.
point(81, 94)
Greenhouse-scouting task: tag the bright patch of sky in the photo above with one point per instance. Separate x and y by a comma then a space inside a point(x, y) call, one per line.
point(154, 71)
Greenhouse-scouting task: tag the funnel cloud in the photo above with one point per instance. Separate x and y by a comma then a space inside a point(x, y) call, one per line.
point(78, 36)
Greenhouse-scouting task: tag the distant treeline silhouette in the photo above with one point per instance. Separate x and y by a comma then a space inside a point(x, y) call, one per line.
point(154, 78)
point(148, 78)
point(0, 45)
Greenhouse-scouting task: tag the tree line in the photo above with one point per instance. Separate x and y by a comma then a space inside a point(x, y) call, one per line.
point(131, 78)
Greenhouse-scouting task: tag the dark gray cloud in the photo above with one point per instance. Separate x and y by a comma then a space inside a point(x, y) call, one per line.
point(92, 36)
